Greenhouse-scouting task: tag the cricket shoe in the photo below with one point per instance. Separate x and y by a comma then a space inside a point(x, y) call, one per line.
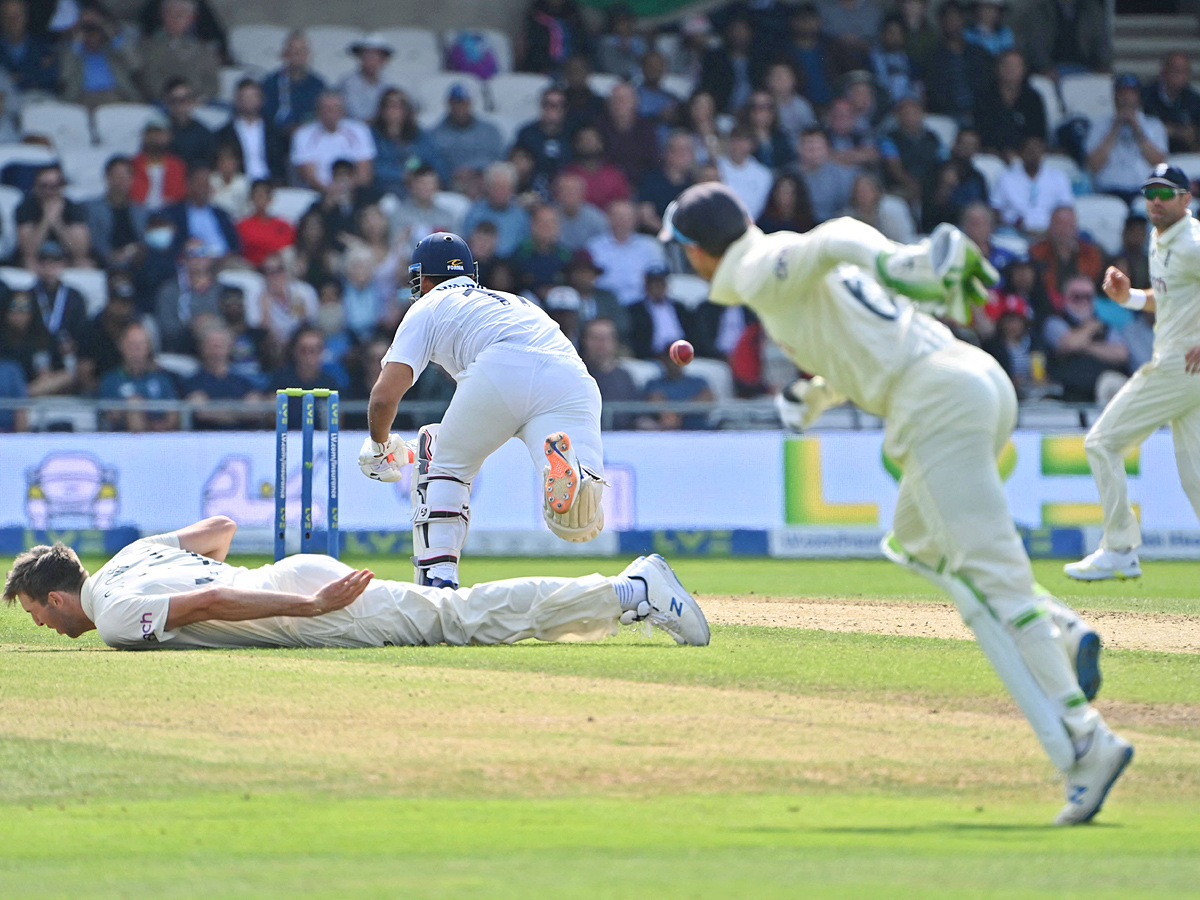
point(1083, 649)
point(562, 473)
point(443, 583)
point(668, 605)
point(1094, 773)
point(1104, 564)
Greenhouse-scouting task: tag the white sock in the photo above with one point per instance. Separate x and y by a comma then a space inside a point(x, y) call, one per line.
point(630, 591)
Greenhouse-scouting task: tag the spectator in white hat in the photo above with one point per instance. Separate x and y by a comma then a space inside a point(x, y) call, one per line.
point(362, 89)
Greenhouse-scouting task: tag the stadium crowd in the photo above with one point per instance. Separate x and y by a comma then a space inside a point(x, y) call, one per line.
point(257, 235)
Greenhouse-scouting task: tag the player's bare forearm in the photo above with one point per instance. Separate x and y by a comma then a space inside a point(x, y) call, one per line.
point(393, 383)
point(222, 603)
point(209, 537)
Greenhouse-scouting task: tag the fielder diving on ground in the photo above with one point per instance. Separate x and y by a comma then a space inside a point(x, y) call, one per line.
point(518, 376)
point(832, 300)
point(176, 591)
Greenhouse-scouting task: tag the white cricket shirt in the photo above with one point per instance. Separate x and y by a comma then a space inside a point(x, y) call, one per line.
point(833, 319)
point(458, 319)
point(1175, 277)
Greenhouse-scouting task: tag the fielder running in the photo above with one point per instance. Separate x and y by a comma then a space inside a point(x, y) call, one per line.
point(1164, 390)
point(949, 409)
point(518, 376)
point(176, 591)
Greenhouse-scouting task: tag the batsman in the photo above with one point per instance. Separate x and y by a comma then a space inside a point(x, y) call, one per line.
point(838, 300)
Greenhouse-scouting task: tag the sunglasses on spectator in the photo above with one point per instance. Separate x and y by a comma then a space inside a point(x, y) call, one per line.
point(1161, 193)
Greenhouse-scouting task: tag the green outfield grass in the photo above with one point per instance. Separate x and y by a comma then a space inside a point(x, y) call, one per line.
point(777, 762)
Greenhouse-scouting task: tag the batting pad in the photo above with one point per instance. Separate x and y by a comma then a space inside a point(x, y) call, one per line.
point(585, 519)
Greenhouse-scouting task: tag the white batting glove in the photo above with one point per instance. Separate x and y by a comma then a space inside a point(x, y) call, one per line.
point(385, 462)
point(801, 403)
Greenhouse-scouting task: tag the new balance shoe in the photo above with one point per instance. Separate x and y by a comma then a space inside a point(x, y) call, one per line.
point(561, 473)
point(668, 605)
point(1093, 775)
point(1103, 565)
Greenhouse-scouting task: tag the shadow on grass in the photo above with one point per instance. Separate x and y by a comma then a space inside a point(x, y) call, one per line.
point(930, 828)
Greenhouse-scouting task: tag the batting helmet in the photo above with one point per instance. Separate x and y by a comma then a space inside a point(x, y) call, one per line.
point(440, 254)
point(708, 215)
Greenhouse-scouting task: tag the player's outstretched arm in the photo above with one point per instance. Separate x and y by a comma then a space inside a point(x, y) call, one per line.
point(209, 537)
point(393, 383)
point(222, 603)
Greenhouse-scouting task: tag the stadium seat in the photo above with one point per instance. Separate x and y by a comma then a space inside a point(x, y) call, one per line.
point(119, 125)
point(257, 45)
point(230, 76)
point(457, 203)
point(251, 284)
point(1064, 164)
point(66, 124)
point(602, 83)
point(517, 94)
point(991, 167)
point(17, 279)
point(416, 51)
point(331, 57)
point(497, 41)
point(1087, 94)
point(214, 118)
point(945, 128)
point(92, 283)
point(291, 203)
point(717, 373)
point(10, 199)
point(1014, 243)
point(1050, 100)
point(641, 371)
point(1103, 217)
point(428, 92)
point(178, 364)
point(84, 169)
point(1189, 162)
point(679, 86)
point(690, 290)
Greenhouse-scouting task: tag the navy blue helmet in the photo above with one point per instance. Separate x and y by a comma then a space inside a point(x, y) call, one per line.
point(442, 253)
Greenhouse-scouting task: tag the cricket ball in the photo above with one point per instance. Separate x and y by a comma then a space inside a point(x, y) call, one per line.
point(682, 353)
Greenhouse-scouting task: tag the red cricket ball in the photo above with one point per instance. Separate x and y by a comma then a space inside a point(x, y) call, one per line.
point(682, 353)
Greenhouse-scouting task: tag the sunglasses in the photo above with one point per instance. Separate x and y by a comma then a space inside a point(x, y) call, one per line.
point(1161, 193)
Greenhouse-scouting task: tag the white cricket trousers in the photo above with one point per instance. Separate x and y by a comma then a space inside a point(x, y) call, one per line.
point(514, 392)
point(1160, 392)
point(401, 613)
point(946, 423)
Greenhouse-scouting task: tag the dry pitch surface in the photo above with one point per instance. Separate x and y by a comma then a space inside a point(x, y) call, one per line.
point(840, 737)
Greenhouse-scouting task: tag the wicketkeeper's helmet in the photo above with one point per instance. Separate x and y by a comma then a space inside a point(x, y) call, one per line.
point(441, 253)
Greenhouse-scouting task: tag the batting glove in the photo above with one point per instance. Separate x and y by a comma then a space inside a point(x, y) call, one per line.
point(385, 462)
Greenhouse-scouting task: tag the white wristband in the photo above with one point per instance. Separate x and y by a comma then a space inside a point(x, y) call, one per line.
point(1136, 301)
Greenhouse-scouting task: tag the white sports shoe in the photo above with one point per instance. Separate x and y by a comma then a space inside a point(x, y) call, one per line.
point(1104, 564)
point(1083, 645)
point(669, 607)
point(1093, 774)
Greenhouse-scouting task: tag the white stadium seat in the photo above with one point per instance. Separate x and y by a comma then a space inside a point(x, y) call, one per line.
point(497, 41)
point(291, 203)
point(214, 118)
point(17, 279)
point(991, 167)
point(517, 94)
point(1103, 217)
point(1048, 91)
point(120, 125)
point(415, 50)
point(66, 124)
point(26, 154)
point(690, 290)
point(641, 371)
point(1064, 164)
point(251, 284)
point(945, 128)
point(92, 283)
point(717, 373)
point(1087, 94)
point(10, 199)
point(678, 86)
point(602, 83)
point(1188, 162)
point(331, 57)
point(455, 202)
point(257, 45)
point(428, 92)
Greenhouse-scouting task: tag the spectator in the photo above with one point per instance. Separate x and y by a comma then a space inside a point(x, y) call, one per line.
point(595, 302)
point(62, 309)
point(631, 141)
point(1070, 35)
point(854, 23)
point(772, 146)
point(400, 145)
point(661, 185)
point(423, 213)
point(886, 213)
point(676, 386)
point(252, 347)
point(230, 187)
point(745, 175)
point(194, 293)
point(12, 387)
point(531, 188)
point(700, 120)
point(815, 59)
point(305, 367)
point(554, 32)
point(387, 258)
point(788, 207)
point(482, 241)
point(196, 217)
point(116, 224)
point(498, 205)
point(260, 233)
point(363, 89)
point(1013, 344)
point(1011, 110)
point(314, 257)
point(159, 176)
point(138, 378)
point(331, 316)
point(98, 344)
point(28, 58)
point(1173, 101)
point(621, 48)
point(792, 112)
point(686, 57)
point(977, 221)
point(1021, 277)
point(97, 66)
point(290, 93)
point(584, 106)
point(579, 221)
point(987, 30)
point(1064, 254)
point(895, 72)
point(1029, 190)
point(1121, 149)
point(598, 345)
point(25, 340)
point(159, 261)
point(657, 321)
point(849, 143)
point(963, 69)
point(1132, 258)
point(605, 181)
point(547, 137)
point(910, 152)
point(46, 215)
point(827, 183)
point(730, 71)
point(654, 101)
point(207, 28)
point(175, 52)
point(10, 125)
point(191, 141)
point(463, 142)
point(623, 255)
point(471, 52)
point(341, 203)
point(264, 144)
point(285, 303)
point(1081, 347)
point(362, 299)
point(921, 36)
point(332, 137)
point(216, 380)
point(540, 260)
point(562, 305)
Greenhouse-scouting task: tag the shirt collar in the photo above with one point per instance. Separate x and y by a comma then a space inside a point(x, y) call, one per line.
point(724, 290)
point(87, 600)
point(1185, 222)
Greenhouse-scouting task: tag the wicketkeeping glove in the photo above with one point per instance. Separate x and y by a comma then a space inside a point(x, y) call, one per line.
point(801, 403)
point(948, 270)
